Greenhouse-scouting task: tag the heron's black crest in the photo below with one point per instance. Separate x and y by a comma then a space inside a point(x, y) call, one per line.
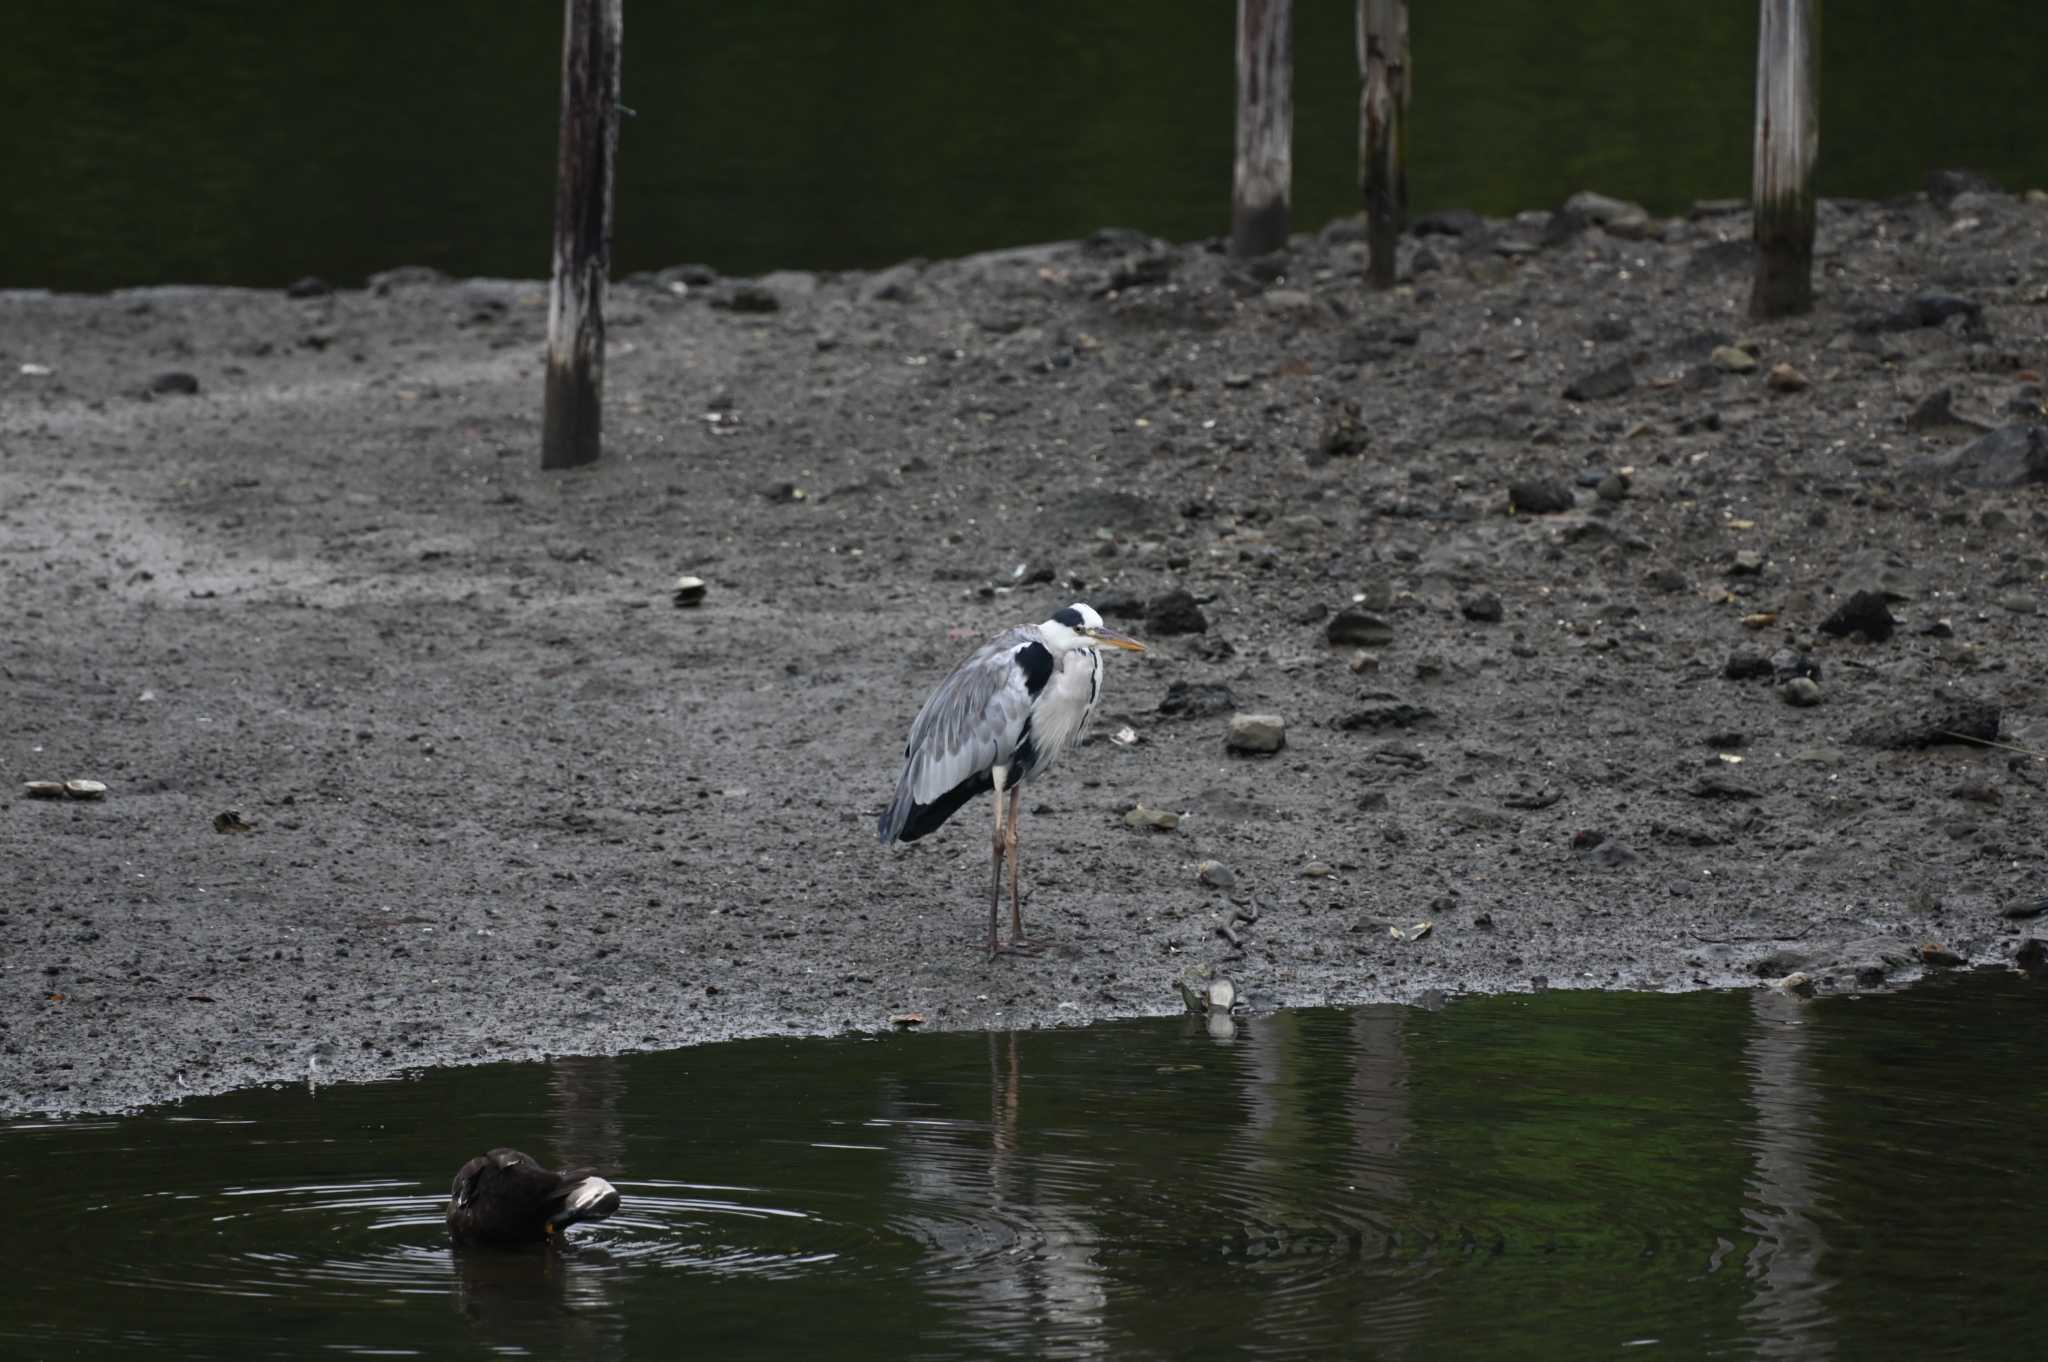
point(1035, 661)
point(1068, 616)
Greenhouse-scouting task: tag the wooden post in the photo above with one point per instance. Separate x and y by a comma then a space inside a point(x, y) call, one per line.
point(1383, 129)
point(574, 416)
point(1787, 147)
point(1263, 176)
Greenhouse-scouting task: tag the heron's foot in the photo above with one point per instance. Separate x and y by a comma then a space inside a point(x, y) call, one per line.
point(1018, 945)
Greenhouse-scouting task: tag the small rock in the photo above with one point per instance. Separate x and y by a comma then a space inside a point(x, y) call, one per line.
point(689, 592)
point(175, 382)
point(1746, 664)
point(1746, 563)
point(43, 789)
point(2019, 602)
point(1449, 222)
point(1787, 663)
point(1796, 982)
point(1613, 852)
point(310, 286)
point(1865, 613)
point(1731, 359)
point(1175, 613)
point(1937, 956)
point(1539, 496)
point(1142, 817)
point(2031, 956)
point(2011, 456)
point(1944, 185)
point(1610, 381)
point(1617, 217)
point(1482, 608)
point(1783, 378)
point(1289, 302)
point(746, 296)
point(1362, 662)
point(1216, 875)
point(1195, 700)
point(1801, 692)
point(1317, 870)
point(1666, 580)
point(84, 789)
point(1256, 733)
point(1355, 628)
point(1937, 411)
point(231, 820)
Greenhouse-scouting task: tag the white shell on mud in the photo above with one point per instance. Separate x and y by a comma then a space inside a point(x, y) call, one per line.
point(44, 789)
point(85, 789)
point(689, 591)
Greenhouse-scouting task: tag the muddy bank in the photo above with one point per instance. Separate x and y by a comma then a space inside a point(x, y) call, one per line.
point(292, 557)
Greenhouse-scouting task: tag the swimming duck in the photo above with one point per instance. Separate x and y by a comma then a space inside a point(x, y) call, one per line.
point(506, 1197)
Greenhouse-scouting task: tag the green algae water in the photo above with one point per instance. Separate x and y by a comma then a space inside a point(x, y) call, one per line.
point(1565, 1175)
point(238, 142)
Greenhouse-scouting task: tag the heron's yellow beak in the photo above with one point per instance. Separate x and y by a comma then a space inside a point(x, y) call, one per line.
point(1113, 639)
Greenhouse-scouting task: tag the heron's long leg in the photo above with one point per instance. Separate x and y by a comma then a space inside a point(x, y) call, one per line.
point(995, 885)
point(1010, 846)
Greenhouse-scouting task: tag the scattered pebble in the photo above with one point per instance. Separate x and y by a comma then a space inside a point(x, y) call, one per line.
point(1142, 817)
point(1355, 628)
point(1196, 700)
point(175, 382)
point(85, 789)
point(1730, 359)
point(1175, 613)
point(1539, 496)
point(1482, 608)
point(231, 820)
point(1125, 736)
point(1216, 875)
point(43, 789)
point(1317, 870)
point(1362, 661)
point(1783, 378)
point(1800, 692)
point(1797, 982)
point(1256, 733)
point(1864, 613)
point(1610, 381)
point(1937, 956)
point(689, 592)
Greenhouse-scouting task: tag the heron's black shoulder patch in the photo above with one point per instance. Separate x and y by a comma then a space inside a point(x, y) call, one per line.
point(1035, 661)
point(1068, 616)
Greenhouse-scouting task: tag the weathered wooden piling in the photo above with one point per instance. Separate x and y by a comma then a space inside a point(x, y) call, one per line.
point(572, 426)
point(1263, 176)
point(1383, 129)
point(1787, 148)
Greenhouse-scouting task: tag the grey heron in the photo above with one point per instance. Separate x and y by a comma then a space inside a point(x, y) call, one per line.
point(1003, 716)
point(506, 1197)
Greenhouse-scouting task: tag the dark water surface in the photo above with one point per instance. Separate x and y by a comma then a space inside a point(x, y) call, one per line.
point(1567, 1175)
point(240, 141)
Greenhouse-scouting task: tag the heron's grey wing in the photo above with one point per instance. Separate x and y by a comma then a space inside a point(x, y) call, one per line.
point(971, 722)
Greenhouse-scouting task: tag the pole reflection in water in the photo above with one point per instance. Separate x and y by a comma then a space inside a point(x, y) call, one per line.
point(1788, 1308)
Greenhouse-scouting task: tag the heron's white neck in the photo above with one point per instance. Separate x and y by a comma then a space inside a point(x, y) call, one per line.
point(1061, 639)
